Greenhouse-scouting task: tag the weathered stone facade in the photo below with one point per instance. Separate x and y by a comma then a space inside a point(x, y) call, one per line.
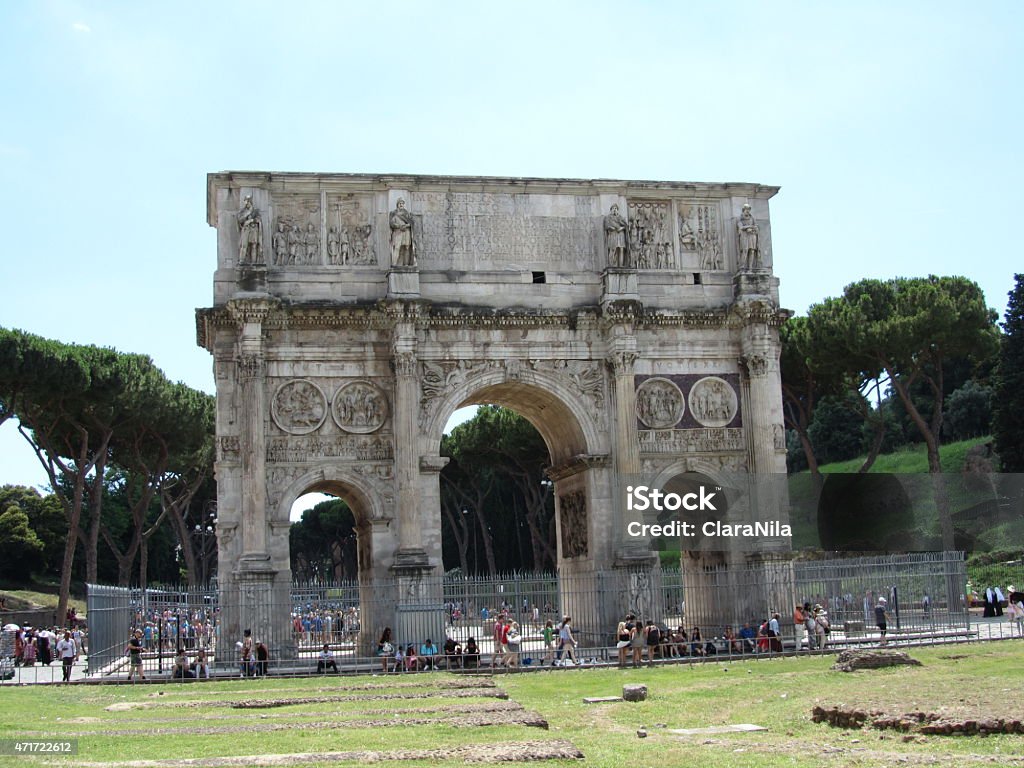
point(638, 340)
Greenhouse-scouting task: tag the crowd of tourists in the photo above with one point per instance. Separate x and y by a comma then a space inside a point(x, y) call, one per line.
point(313, 626)
point(44, 646)
point(165, 630)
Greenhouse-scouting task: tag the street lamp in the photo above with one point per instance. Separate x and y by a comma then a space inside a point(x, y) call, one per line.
point(205, 533)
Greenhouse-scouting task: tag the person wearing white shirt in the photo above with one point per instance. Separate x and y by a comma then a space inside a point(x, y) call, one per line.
point(68, 653)
point(325, 660)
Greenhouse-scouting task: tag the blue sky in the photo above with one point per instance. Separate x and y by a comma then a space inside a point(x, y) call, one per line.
point(894, 131)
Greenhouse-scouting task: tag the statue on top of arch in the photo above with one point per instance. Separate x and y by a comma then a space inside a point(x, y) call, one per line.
point(250, 237)
point(615, 239)
point(403, 251)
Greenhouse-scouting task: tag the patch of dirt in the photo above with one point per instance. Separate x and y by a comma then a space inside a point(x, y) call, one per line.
point(404, 682)
point(268, 703)
point(510, 752)
point(497, 705)
point(849, 661)
point(457, 693)
point(927, 723)
point(456, 719)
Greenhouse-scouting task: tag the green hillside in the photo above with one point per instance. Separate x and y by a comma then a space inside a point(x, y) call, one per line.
point(894, 507)
point(910, 459)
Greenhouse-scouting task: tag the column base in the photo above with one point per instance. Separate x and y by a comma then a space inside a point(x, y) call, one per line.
point(635, 557)
point(403, 283)
point(411, 559)
point(252, 278)
point(619, 285)
point(754, 283)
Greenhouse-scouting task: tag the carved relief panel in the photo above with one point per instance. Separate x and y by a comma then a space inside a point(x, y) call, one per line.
point(573, 510)
point(298, 407)
point(688, 413)
point(659, 403)
point(649, 233)
point(296, 238)
point(350, 231)
point(359, 408)
point(700, 237)
point(713, 402)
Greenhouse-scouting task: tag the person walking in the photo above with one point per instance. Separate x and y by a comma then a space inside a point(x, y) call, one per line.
point(567, 640)
point(68, 653)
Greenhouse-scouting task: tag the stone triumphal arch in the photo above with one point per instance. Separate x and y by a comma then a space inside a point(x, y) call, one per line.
point(635, 323)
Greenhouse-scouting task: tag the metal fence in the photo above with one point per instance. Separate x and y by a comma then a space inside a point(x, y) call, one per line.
point(925, 594)
point(110, 614)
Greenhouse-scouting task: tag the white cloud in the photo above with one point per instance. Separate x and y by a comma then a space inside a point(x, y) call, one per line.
point(80, 27)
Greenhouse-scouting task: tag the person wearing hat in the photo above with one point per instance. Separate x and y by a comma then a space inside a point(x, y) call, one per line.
point(821, 626)
point(881, 611)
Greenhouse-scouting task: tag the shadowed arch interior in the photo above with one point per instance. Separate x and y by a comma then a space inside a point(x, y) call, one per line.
point(560, 429)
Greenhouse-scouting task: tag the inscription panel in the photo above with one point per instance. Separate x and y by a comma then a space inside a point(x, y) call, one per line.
point(494, 231)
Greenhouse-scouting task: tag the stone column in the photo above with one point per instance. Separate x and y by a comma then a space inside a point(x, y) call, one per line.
point(250, 314)
point(407, 389)
point(621, 359)
point(758, 417)
point(254, 592)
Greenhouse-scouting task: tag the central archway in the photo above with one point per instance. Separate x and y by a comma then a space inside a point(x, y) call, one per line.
point(579, 469)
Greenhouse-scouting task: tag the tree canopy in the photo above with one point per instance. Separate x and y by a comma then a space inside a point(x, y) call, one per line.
point(1008, 427)
point(84, 409)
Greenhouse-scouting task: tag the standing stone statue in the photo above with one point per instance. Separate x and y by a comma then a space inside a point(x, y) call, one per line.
point(615, 238)
point(403, 253)
point(250, 238)
point(312, 243)
point(294, 245)
point(747, 232)
point(280, 244)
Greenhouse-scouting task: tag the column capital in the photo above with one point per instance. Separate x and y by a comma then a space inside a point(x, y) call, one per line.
point(255, 310)
point(250, 366)
point(756, 364)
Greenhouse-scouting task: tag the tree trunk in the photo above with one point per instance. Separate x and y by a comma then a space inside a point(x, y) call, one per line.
point(124, 561)
point(932, 441)
point(485, 535)
point(92, 542)
point(876, 446)
point(49, 458)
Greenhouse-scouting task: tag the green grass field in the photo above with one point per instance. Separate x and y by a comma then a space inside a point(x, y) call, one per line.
point(177, 722)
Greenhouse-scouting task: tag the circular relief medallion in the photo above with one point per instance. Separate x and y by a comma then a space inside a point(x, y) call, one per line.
point(360, 408)
point(659, 404)
point(713, 402)
point(299, 407)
